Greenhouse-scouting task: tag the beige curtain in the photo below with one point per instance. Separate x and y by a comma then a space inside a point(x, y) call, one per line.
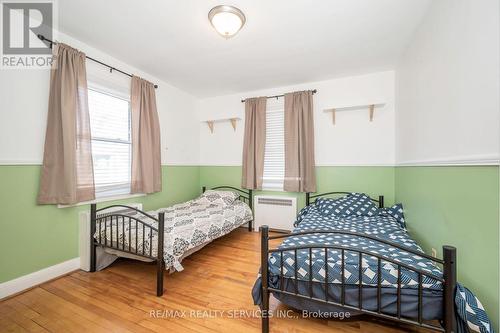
point(254, 143)
point(67, 172)
point(300, 175)
point(146, 150)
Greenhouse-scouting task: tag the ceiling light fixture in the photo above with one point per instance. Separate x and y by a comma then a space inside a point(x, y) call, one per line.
point(226, 20)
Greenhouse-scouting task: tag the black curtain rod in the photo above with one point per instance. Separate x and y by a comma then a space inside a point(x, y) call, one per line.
point(111, 68)
point(278, 96)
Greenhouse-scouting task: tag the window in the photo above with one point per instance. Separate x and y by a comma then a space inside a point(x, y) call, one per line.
point(111, 143)
point(274, 158)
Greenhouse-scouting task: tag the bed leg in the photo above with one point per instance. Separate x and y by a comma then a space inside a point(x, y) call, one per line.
point(450, 281)
point(250, 204)
point(264, 249)
point(93, 218)
point(159, 255)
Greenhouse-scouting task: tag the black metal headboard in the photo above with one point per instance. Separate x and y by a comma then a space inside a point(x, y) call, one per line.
point(245, 195)
point(380, 200)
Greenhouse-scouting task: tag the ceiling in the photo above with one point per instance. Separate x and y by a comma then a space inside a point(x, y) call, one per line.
point(283, 42)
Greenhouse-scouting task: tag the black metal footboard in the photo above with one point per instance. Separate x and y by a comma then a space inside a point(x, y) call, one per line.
point(448, 280)
point(102, 220)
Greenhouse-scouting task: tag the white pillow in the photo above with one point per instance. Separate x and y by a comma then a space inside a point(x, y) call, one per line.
point(224, 198)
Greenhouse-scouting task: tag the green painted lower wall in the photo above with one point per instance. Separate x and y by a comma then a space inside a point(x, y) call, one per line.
point(458, 206)
point(374, 181)
point(34, 237)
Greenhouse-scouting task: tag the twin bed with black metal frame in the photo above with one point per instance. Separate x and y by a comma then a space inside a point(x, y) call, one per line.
point(422, 306)
point(140, 229)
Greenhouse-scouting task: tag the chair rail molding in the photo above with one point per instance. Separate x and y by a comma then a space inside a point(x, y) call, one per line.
point(466, 160)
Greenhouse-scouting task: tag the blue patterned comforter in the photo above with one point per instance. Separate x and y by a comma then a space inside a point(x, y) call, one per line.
point(385, 227)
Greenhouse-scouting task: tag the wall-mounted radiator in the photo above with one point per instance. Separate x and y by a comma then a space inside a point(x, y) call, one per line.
point(277, 212)
point(84, 232)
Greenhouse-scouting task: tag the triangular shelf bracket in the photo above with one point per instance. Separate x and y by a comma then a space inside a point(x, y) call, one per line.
point(233, 123)
point(210, 124)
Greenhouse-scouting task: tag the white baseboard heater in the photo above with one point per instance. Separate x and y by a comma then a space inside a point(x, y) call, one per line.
point(278, 212)
point(84, 232)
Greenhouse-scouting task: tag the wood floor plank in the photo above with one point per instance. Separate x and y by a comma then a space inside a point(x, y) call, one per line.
point(212, 294)
point(8, 325)
point(25, 322)
point(70, 320)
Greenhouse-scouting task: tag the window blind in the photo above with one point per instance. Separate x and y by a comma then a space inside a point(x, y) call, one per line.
point(111, 143)
point(274, 156)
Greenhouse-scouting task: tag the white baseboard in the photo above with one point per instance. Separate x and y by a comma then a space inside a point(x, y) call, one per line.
point(27, 281)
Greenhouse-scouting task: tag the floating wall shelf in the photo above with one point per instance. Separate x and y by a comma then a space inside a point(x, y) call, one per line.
point(371, 109)
point(211, 122)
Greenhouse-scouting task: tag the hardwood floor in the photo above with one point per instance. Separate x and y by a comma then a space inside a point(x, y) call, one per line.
point(122, 298)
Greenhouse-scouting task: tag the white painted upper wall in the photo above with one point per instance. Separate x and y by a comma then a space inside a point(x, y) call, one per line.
point(354, 140)
point(24, 98)
point(447, 86)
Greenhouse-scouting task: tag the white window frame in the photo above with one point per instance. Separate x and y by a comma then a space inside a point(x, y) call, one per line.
point(125, 188)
